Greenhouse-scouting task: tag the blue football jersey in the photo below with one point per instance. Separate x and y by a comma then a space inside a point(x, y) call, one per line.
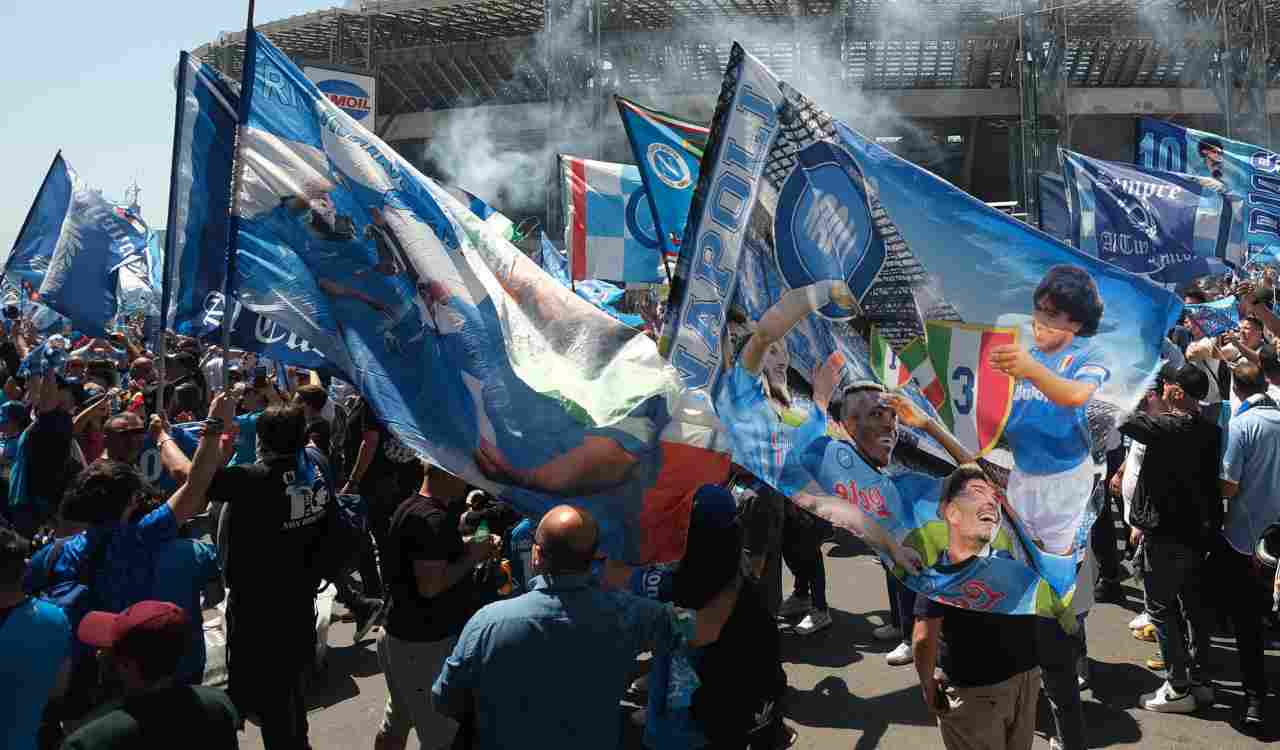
point(763, 440)
point(836, 468)
point(1046, 438)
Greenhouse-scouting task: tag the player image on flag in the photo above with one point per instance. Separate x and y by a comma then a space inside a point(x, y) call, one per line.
point(1048, 430)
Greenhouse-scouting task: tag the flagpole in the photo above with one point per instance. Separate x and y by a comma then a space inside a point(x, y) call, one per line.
point(166, 273)
point(247, 70)
point(30, 210)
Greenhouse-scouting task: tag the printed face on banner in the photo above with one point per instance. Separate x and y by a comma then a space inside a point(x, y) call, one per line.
point(977, 338)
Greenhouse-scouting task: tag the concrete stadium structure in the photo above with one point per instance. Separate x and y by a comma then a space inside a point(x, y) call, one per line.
point(484, 93)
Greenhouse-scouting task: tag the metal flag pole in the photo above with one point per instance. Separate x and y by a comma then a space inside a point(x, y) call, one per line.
point(247, 71)
point(166, 273)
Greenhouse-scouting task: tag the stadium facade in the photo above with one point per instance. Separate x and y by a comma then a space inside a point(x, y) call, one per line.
point(483, 94)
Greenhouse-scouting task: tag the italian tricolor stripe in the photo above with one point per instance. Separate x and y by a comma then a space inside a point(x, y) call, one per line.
point(978, 398)
point(917, 368)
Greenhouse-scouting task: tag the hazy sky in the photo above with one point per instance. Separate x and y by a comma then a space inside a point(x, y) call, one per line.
point(96, 80)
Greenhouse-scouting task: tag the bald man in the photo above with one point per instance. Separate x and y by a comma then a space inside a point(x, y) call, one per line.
point(548, 668)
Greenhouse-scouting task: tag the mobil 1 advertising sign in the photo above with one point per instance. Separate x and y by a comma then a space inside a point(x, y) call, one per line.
point(351, 92)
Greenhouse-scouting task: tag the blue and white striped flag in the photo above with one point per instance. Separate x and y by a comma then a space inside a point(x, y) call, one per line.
point(609, 229)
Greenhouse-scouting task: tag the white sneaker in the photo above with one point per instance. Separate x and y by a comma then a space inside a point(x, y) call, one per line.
point(887, 633)
point(1055, 744)
point(794, 606)
point(900, 655)
point(1203, 693)
point(816, 620)
point(1140, 622)
point(1166, 700)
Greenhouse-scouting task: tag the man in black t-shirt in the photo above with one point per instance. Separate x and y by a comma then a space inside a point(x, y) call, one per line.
point(146, 642)
point(275, 530)
point(427, 569)
point(985, 696)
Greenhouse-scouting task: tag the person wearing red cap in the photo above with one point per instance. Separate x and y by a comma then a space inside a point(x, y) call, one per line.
point(144, 644)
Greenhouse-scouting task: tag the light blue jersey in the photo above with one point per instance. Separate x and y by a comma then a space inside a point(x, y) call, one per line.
point(1047, 438)
point(838, 469)
point(762, 439)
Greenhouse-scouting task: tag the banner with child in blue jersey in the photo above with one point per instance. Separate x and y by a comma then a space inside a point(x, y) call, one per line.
point(984, 337)
point(471, 355)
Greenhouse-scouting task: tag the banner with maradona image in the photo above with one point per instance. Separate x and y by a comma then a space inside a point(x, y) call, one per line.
point(471, 354)
point(1247, 175)
point(996, 342)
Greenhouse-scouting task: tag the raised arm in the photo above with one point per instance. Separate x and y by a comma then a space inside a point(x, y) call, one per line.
point(793, 307)
point(192, 497)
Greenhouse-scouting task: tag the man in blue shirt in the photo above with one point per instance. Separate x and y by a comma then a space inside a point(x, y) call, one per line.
point(35, 643)
point(570, 631)
point(1048, 427)
point(1250, 478)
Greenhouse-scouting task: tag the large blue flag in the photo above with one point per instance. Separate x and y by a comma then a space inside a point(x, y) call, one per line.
point(1246, 174)
point(667, 151)
point(196, 237)
point(1162, 225)
point(72, 246)
point(473, 357)
point(1023, 350)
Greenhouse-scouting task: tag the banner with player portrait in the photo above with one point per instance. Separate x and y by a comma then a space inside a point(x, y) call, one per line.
point(1248, 176)
point(471, 355)
point(859, 318)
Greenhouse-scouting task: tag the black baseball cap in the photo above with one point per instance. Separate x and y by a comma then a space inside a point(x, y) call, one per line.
point(1191, 379)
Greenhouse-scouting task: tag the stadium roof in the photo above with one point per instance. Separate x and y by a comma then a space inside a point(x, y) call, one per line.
point(435, 54)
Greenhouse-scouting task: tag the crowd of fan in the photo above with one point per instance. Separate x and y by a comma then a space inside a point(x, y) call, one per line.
point(503, 631)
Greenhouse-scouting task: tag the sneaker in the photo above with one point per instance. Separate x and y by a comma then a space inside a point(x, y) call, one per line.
point(794, 606)
point(1166, 700)
point(374, 614)
point(1156, 664)
point(1203, 693)
point(1140, 622)
point(887, 633)
point(816, 620)
point(1146, 633)
point(1055, 744)
point(900, 655)
point(1253, 715)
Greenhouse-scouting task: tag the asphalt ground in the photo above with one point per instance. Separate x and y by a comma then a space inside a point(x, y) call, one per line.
point(843, 695)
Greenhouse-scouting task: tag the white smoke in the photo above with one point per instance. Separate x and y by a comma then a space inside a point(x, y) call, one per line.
point(483, 150)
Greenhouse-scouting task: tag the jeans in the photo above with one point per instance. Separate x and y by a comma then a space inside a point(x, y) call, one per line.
point(1059, 654)
point(1244, 598)
point(1172, 580)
